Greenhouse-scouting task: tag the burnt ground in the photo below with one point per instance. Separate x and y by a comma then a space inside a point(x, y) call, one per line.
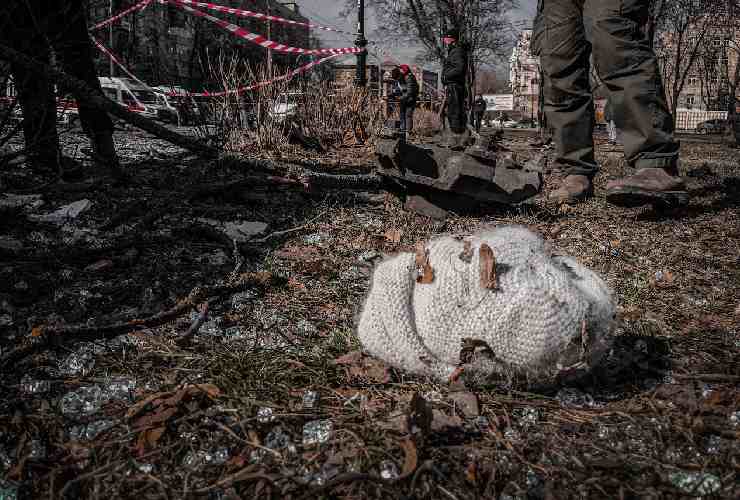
point(120, 399)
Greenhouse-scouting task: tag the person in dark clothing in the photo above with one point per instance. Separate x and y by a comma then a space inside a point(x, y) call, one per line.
point(408, 98)
point(566, 35)
point(36, 28)
point(454, 76)
point(479, 109)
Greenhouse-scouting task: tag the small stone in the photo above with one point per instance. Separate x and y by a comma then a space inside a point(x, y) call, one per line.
point(84, 401)
point(265, 415)
point(713, 445)
point(144, 468)
point(573, 398)
point(388, 470)
point(65, 213)
point(100, 266)
point(511, 434)
point(36, 450)
point(528, 417)
point(310, 400)
point(315, 239)
point(467, 402)
point(735, 419)
point(317, 432)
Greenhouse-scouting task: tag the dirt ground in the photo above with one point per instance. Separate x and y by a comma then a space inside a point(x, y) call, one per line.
point(194, 338)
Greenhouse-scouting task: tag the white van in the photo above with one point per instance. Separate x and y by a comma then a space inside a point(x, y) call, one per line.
point(131, 94)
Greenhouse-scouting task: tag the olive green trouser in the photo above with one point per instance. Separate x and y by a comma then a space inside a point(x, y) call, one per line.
point(566, 33)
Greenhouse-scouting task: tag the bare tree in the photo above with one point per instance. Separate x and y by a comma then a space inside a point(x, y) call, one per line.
point(684, 27)
point(483, 25)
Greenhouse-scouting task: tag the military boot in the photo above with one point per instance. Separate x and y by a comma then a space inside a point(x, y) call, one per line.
point(106, 159)
point(654, 186)
point(456, 141)
point(572, 189)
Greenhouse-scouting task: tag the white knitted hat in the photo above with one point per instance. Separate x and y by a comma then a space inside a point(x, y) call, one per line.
point(547, 316)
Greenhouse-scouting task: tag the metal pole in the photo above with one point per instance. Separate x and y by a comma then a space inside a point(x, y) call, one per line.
point(110, 36)
point(269, 37)
point(361, 43)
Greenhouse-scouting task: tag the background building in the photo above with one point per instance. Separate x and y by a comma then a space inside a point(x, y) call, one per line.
point(163, 45)
point(524, 77)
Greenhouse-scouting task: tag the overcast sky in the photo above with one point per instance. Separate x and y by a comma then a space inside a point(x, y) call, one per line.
point(326, 12)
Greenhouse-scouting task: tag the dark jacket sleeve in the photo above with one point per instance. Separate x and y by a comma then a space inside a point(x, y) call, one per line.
point(456, 67)
point(411, 94)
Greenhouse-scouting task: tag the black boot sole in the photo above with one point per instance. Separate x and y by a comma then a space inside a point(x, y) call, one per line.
point(635, 197)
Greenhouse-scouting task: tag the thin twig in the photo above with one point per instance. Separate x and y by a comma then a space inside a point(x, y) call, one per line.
point(195, 327)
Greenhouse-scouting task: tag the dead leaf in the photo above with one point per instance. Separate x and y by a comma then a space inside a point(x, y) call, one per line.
point(425, 273)
point(467, 253)
point(371, 370)
point(487, 268)
point(209, 389)
point(37, 331)
point(411, 459)
point(351, 358)
point(155, 418)
point(471, 472)
point(394, 235)
point(148, 440)
point(139, 407)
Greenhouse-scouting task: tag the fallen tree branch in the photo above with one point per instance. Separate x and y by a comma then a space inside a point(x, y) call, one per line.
point(101, 102)
point(43, 336)
point(360, 181)
point(242, 183)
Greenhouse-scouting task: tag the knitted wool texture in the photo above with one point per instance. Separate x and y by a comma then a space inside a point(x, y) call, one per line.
point(548, 316)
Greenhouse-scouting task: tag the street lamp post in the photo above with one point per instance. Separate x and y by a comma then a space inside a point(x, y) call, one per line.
point(110, 36)
point(361, 43)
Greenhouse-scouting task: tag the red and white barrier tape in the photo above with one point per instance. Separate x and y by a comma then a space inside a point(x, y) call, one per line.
point(247, 35)
point(256, 15)
point(286, 76)
point(117, 62)
point(121, 14)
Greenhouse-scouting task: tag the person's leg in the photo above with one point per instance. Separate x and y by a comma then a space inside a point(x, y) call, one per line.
point(410, 119)
point(628, 67)
point(568, 101)
point(71, 42)
point(402, 120)
point(456, 108)
point(34, 90)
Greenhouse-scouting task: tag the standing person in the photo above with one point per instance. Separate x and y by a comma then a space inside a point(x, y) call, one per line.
point(454, 76)
point(566, 34)
point(479, 109)
point(610, 125)
point(35, 28)
point(407, 100)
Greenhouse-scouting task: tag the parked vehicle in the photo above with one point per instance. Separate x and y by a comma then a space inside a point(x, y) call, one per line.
point(178, 106)
point(286, 105)
point(499, 123)
point(716, 126)
point(132, 95)
point(526, 123)
point(68, 112)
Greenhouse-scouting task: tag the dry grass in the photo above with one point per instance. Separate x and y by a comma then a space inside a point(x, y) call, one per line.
point(323, 113)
